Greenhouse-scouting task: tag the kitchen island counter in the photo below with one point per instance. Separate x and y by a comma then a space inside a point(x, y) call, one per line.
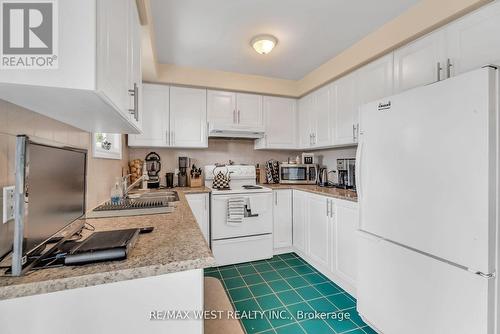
point(176, 244)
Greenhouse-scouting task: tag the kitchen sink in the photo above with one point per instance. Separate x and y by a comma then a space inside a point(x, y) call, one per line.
point(170, 196)
point(145, 204)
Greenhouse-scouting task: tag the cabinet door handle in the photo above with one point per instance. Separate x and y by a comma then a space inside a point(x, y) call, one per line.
point(239, 118)
point(276, 198)
point(234, 117)
point(449, 65)
point(439, 69)
point(354, 133)
point(327, 208)
point(134, 92)
point(168, 137)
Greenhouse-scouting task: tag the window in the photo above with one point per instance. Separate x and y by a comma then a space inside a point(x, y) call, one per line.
point(107, 145)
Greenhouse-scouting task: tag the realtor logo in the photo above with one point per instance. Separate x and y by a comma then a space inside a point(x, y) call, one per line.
point(29, 34)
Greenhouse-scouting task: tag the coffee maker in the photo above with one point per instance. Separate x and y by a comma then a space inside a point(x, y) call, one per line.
point(153, 166)
point(346, 173)
point(182, 176)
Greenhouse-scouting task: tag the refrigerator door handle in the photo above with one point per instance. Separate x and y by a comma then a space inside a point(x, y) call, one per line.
point(357, 169)
point(483, 275)
point(449, 65)
point(439, 69)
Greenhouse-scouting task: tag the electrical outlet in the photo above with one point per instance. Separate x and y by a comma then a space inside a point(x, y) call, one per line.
point(8, 203)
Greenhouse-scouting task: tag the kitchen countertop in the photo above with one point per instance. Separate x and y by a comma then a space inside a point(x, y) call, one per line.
point(348, 195)
point(176, 244)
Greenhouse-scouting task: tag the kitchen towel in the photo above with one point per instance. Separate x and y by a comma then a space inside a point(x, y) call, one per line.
point(257, 205)
point(235, 210)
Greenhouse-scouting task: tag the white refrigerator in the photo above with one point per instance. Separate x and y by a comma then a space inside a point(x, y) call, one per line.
point(427, 180)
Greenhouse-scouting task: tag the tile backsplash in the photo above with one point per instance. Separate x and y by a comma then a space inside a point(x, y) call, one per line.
point(238, 150)
point(219, 150)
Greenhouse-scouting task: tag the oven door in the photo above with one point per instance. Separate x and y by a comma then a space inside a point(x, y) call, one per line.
point(293, 174)
point(261, 223)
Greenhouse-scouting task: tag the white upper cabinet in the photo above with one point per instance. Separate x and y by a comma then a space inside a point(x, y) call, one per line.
point(321, 118)
point(249, 111)
point(135, 65)
point(344, 108)
point(305, 111)
point(113, 35)
point(173, 117)
point(473, 41)
point(375, 80)
point(235, 110)
point(188, 117)
point(221, 107)
point(315, 119)
point(155, 118)
point(280, 121)
point(345, 221)
point(463, 45)
point(92, 85)
point(420, 63)
point(282, 218)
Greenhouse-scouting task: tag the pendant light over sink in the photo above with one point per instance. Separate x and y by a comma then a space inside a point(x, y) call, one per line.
point(264, 44)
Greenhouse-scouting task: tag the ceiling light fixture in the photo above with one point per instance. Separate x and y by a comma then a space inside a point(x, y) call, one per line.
point(264, 44)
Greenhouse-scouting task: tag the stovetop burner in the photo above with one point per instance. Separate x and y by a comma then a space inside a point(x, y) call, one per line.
point(251, 187)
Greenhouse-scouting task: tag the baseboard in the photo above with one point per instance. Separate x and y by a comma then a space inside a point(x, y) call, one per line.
point(283, 250)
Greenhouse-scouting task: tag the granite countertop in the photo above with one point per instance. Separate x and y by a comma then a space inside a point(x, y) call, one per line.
point(348, 195)
point(176, 244)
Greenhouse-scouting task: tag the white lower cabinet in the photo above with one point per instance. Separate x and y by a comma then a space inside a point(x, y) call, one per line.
point(344, 250)
point(282, 220)
point(319, 229)
point(324, 234)
point(200, 205)
point(300, 222)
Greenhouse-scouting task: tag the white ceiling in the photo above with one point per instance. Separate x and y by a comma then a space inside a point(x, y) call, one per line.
point(216, 34)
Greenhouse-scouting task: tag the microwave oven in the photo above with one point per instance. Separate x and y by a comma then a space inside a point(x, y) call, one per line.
point(298, 173)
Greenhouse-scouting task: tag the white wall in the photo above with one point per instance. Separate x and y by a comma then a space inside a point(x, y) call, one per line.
point(329, 157)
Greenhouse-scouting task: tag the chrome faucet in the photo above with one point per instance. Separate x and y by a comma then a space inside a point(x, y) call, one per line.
point(127, 188)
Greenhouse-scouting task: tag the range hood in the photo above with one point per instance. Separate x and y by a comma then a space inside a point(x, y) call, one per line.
point(230, 131)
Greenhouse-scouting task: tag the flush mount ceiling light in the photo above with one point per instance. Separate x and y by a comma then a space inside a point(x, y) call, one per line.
point(264, 44)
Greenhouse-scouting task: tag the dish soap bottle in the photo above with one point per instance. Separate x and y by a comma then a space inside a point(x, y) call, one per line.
point(116, 193)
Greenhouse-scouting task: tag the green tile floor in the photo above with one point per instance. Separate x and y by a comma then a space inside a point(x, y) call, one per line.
point(287, 283)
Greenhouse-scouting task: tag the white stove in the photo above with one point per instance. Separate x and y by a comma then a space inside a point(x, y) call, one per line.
point(243, 179)
point(249, 238)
